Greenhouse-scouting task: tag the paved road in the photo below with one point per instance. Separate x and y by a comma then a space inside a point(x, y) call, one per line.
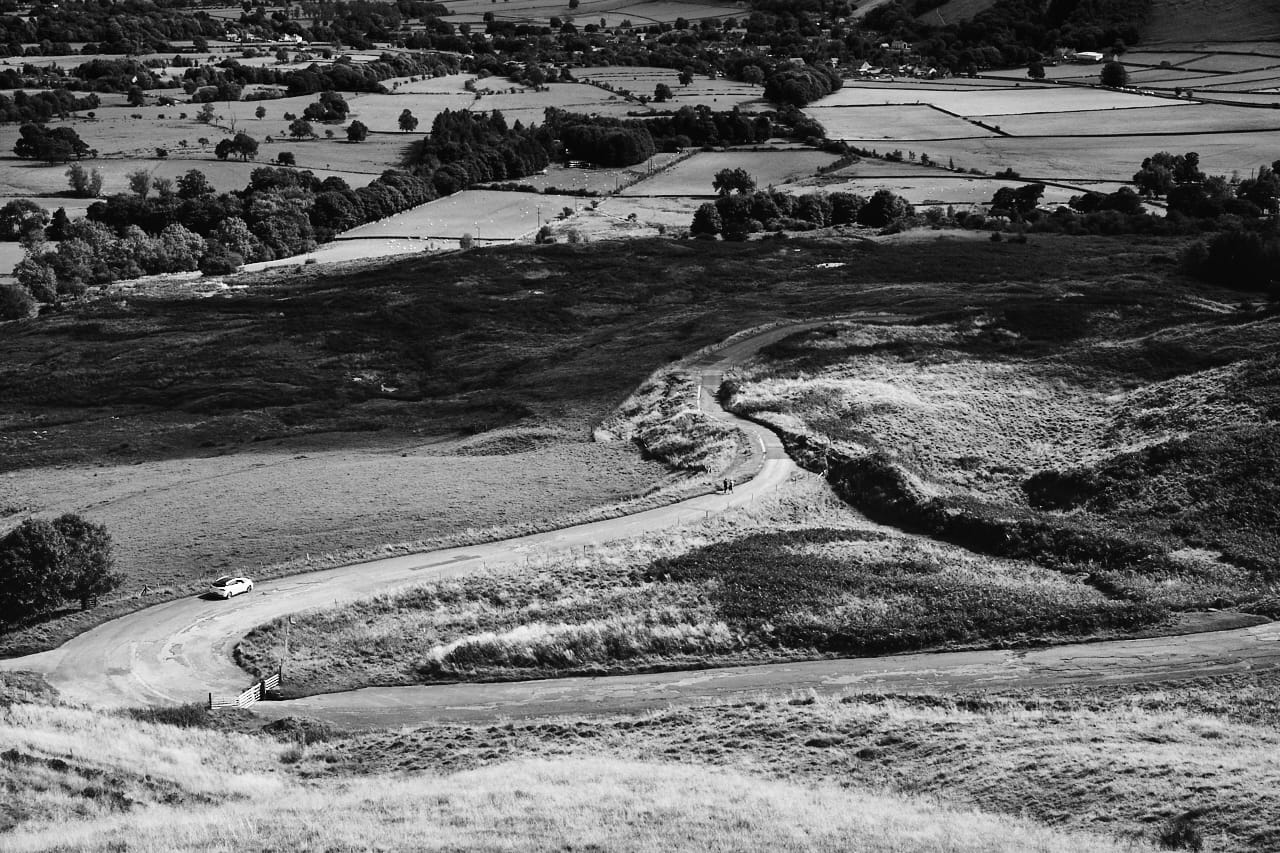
point(1115, 662)
point(181, 651)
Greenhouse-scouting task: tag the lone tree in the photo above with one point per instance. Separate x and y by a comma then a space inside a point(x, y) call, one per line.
point(1036, 70)
point(241, 145)
point(260, 113)
point(1115, 75)
point(45, 563)
point(408, 121)
point(662, 92)
point(357, 131)
point(140, 182)
point(300, 128)
point(729, 180)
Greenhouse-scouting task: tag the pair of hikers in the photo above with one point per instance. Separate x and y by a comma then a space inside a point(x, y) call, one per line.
point(726, 485)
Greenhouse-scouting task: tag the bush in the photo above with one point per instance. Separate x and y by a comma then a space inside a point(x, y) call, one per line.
point(15, 302)
point(193, 715)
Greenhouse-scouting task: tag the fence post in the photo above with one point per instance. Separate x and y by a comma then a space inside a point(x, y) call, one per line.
point(210, 701)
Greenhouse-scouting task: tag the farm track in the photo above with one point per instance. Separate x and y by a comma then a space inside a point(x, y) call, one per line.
point(181, 651)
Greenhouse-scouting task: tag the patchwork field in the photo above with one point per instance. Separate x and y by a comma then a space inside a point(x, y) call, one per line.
point(1004, 100)
point(1085, 159)
point(694, 176)
point(930, 186)
point(1173, 119)
point(642, 13)
point(720, 93)
point(484, 214)
point(901, 122)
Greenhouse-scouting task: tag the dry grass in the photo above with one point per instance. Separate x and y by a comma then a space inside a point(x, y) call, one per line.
point(769, 583)
point(393, 639)
point(83, 781)
point(1126, 761)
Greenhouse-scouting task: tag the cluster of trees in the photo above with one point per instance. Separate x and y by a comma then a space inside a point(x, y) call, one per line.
point(740, 209)
point(121, 27)
point(1190, 193)
point(801, 85)
point(340, 76)
point(39, 107)
point(115, 75)
point(52, 145)
point(700, 125)
point(467, 147)
point(46, 564)
point(331, 106)
point(167, 226)
point(609, 142)
point(1012, 32)
point(1244, 260)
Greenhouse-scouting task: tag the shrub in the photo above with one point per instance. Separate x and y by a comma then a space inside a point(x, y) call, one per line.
point(193, 715)
point(15, 302)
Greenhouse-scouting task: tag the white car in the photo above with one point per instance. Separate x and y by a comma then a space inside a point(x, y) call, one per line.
point(227, 586)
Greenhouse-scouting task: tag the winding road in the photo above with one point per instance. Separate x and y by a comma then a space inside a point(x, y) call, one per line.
point(181, 651)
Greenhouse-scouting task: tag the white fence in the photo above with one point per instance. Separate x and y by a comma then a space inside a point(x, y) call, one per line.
point(247, 697)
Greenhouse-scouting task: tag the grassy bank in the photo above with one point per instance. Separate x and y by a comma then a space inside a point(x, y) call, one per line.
point(77, 779)
point(795, 576)
point(1173, 767)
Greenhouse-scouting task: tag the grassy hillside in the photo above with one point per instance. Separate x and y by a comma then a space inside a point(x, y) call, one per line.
point(403, 402)
point(966, 396)
point(1195, 21)
point(1129, 441)
point(1127, 769)
point(74, 779)
point(954, 11)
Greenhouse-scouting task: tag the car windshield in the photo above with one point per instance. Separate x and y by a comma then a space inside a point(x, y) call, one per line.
point(222, 581)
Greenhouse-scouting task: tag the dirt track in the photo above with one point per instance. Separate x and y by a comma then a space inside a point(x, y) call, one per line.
point(181, 651)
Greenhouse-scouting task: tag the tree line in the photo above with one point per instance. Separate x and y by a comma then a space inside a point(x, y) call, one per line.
point(741, 209)
point(1011, 32)
point(39, 107)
